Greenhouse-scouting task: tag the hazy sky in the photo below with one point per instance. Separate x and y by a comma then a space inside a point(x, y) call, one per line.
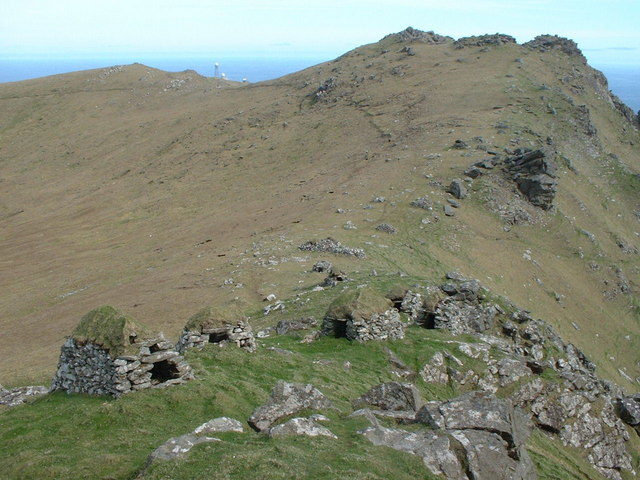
point(607, 30)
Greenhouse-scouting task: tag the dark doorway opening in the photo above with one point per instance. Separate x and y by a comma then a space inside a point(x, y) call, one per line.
point(163, 371)
point(339, 328)
point(218, 337)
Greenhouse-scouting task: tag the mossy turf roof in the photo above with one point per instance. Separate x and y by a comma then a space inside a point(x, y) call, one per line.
point(214, 317)
point(111, 329)
point(358, 304)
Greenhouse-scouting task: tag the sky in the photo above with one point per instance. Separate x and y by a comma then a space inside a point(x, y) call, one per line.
point(607, 30)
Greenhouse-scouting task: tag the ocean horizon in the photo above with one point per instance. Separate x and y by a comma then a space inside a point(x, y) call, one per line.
point(624, 80)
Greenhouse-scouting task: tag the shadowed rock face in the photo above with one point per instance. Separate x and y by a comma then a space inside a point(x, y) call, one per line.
point(392, 396)
point(534, 174)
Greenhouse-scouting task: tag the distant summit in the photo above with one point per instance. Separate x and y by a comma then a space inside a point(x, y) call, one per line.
point(411, 34)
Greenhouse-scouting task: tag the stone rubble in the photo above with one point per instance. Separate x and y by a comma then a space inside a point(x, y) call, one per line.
point(19, 395)
point(329, 245)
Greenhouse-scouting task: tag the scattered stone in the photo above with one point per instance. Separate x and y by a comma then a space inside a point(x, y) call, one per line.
point(334, 277)
point(386, 228)
point(285, 326)
point(322, 266)
point(435, 371)
point(349, 225)
point(287, 399)
point(329, 245)
point(220, 326)
point(422, 202)
point(177, 447)
point(20, 395)
point(109, 353)
point(323, 90)
point(449, 211)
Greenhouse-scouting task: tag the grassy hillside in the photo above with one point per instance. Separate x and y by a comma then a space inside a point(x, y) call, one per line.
point(161, 193)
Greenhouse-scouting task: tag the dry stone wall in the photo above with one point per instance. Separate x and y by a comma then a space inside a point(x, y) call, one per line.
point(91, 369)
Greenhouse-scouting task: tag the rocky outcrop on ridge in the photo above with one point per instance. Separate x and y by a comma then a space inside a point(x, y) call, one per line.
point(411, 34)
point(547, 43)
point(496, 39)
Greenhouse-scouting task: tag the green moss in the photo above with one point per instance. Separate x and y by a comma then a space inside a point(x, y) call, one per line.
point(214, 317)
point(111, 329)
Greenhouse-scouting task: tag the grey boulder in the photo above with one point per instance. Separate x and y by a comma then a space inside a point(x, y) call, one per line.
point(287, 399)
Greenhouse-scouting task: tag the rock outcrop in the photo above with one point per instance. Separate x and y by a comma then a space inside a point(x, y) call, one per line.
point(547, 43)
point(495, 40)
point(534, 174)
point(110, 354)
point(218, 326)
point(472, 437)
point(411, 34)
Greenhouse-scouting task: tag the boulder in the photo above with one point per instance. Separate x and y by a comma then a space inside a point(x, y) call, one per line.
point(177, 447)
point(287, 399)
point(217, 425)
point(392, 396)
point(300, 426)
point(436, 449)
point(475, 436)
point(457, 188)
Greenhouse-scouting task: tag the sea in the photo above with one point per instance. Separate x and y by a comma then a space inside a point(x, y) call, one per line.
point(624, 80)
